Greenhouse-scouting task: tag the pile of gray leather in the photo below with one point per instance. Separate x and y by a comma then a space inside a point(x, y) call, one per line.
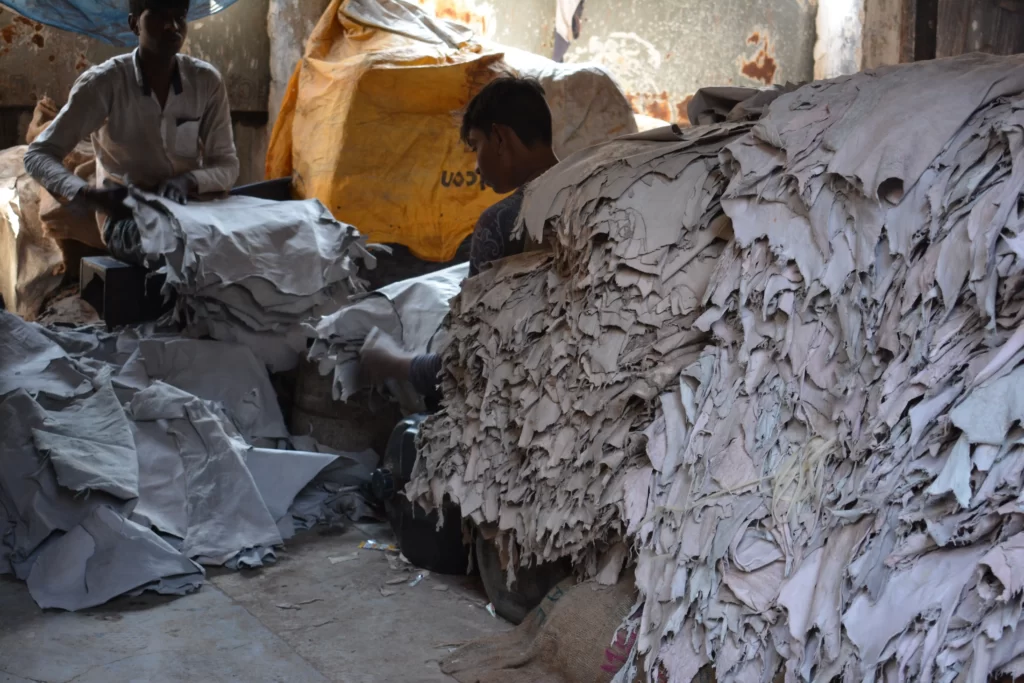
point(814, 453)
point(252, 271)
point(129, 461)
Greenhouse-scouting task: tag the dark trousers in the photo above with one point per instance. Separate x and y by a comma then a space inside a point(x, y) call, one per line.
point(121, 235)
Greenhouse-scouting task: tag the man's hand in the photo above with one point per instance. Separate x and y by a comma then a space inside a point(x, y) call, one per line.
point(109, 200)
point(178, 189)
point(382, 359)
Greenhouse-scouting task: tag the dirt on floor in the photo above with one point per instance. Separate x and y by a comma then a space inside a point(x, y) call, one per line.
point(66, 307)
point(325, 611)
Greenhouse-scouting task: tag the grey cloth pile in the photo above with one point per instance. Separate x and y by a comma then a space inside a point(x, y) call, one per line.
point(127, 462)
point(552, 361)
point(251, 271)
point(833, 487)
point(841, 495)
point(732, 103)
point(408, 312)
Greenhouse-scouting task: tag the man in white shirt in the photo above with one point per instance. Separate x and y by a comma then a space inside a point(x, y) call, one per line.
point(158, 120)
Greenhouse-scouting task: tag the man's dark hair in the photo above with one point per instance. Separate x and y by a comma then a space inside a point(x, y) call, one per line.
point(514, 102)
point(137, 7)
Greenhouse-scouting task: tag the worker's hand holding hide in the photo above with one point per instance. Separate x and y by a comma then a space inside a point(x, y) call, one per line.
point(178, 189)
point(382, 359)
point(110, 200)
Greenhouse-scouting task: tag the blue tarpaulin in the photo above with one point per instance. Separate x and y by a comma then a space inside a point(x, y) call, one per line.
point(103, 19)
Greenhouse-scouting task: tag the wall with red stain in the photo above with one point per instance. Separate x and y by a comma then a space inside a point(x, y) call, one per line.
point(762, 66)
point(37, 60)
point(663, 51)
point(660, 51)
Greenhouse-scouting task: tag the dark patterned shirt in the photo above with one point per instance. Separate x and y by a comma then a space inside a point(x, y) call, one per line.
point(491, 240)
point(492, 237)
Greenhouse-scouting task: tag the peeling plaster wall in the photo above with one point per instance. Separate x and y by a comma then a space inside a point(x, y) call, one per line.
point(525, 24)
point(867, 34)
point(662, 51)
point(37, 60)
point(289, 24)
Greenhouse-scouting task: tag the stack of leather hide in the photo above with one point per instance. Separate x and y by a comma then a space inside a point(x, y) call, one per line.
point(553, 361)
point(840, 496)
point(832, 484)
point(252, 271)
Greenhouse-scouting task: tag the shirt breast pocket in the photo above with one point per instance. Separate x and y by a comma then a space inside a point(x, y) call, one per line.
point(186, 138)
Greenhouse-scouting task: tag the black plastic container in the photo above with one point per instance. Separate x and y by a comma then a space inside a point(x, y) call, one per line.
point(439, 550)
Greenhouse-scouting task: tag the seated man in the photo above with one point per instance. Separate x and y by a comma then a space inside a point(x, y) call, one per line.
point(508, 125)
point(158, 120)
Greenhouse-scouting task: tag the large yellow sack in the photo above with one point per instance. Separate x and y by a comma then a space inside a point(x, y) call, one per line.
point(370, 121)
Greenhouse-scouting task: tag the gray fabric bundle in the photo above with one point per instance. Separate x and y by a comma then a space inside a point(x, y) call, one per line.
point(251, 271)
point(552, 361)
point(409, 312)
point(127, 462)
point(843, 498)
point(830, 484)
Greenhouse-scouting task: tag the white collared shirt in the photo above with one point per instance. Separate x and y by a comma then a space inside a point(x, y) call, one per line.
point(136, 141)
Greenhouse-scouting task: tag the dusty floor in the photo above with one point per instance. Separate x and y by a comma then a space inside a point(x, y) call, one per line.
point(300, 620)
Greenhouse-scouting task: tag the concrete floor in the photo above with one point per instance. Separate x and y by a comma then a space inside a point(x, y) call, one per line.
point(301, 620)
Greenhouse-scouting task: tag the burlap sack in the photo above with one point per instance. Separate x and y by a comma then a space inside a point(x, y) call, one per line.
point(46, 110)
point(31, 264)
point(573, 637)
